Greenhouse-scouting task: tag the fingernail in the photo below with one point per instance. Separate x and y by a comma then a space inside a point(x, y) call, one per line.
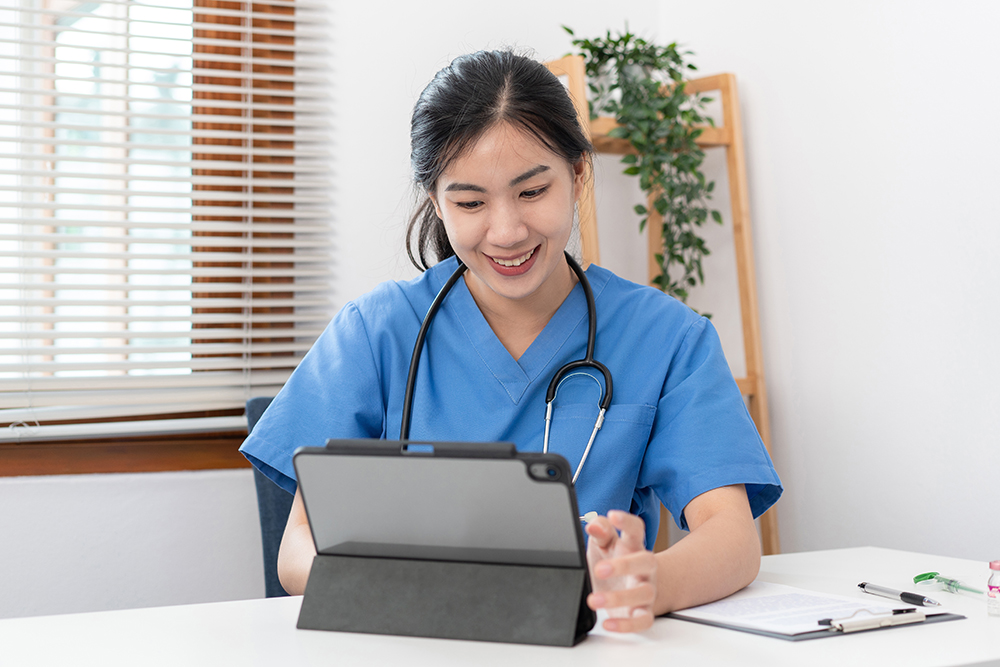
point(602, 569)
point(597, 600)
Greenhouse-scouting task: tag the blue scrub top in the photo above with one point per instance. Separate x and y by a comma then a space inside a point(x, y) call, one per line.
point(677, 426)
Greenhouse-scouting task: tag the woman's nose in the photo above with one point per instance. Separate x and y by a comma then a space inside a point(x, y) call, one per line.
point(506, 227)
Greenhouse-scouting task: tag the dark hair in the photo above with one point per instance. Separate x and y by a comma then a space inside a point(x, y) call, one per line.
point(475, 93)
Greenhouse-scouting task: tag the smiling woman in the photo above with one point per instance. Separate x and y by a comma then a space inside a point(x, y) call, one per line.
point(501, 157)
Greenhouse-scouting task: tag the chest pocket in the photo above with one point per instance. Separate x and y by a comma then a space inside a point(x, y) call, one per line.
point(617, 451)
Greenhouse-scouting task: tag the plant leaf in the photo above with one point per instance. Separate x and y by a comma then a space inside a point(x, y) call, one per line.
point(660, 122)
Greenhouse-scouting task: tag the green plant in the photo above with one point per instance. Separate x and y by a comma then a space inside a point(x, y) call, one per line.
point(641, 84)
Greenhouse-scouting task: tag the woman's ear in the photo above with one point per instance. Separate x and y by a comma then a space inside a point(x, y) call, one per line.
point(434, 203)
point(579, 177)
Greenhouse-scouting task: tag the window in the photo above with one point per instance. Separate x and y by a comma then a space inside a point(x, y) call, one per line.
point(164, 223)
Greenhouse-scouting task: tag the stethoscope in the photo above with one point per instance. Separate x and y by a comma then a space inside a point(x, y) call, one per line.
point(561, 375)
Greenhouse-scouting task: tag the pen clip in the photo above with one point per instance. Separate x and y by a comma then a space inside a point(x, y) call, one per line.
point(873, 620)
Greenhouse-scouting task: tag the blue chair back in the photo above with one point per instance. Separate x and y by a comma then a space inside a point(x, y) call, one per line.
point(273, 505)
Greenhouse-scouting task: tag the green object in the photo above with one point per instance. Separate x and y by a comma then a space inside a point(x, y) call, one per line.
point(953, 585)
point(641, 84)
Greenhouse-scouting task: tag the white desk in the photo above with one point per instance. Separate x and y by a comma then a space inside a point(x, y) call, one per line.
point(262, 632)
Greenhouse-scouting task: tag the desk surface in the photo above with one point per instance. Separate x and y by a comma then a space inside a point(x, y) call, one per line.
point(262, 632)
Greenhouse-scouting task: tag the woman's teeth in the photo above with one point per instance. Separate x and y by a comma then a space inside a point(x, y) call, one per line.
point(518, 261)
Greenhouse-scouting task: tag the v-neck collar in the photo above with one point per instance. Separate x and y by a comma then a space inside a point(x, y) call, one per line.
point(516, 375)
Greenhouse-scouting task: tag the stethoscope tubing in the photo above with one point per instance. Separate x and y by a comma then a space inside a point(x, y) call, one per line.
point(563, 373)
point(588, 361)
point(411, 377)
point(593, 435)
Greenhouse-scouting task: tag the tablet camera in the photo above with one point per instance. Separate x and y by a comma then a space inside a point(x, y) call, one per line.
point(545, 472)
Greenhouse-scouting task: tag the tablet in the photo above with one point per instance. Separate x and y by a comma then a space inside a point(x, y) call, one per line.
point(467, 502)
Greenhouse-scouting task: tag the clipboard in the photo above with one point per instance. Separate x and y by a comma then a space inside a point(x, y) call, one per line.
point(793, 614)
point(448, 540)
point(825, 632)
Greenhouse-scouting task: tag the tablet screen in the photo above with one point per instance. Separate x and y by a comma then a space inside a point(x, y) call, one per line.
point(490, 510)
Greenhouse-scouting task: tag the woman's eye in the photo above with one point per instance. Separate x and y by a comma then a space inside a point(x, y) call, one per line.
point(469, 205)
point(531, 194)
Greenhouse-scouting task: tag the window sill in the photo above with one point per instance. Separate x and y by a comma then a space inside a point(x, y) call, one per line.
point(202, 451)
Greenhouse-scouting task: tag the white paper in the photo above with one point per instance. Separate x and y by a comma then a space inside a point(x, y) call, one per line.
point(786, 610)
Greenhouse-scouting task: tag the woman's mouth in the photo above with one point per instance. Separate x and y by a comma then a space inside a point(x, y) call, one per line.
point(517, 261)
point(514, 266)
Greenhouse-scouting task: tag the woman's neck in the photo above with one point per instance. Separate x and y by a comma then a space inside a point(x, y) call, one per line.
point(517, 322)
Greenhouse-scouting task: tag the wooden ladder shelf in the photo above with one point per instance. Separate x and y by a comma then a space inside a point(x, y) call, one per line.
point(730, 137)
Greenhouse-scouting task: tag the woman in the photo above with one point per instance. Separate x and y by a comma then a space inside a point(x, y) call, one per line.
point(497, 150)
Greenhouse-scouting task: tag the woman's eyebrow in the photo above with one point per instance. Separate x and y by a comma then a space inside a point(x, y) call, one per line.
point(464, 186)
point(528, 174)
point(478, 188)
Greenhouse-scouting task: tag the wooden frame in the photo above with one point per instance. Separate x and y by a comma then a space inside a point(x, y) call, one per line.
point(730, 137)
point(157, 453)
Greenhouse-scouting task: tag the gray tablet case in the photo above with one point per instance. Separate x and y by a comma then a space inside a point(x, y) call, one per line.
point(450, 540)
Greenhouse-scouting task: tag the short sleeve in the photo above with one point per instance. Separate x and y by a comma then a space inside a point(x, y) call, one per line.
point(334, 392)
point(703, 437)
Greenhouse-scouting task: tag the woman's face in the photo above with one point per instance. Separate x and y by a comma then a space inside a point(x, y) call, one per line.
point(507, 205)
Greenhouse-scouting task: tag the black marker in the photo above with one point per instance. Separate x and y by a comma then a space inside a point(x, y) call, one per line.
point(908, 598)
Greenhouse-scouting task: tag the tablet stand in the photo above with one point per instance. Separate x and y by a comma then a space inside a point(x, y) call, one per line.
point(523, 604)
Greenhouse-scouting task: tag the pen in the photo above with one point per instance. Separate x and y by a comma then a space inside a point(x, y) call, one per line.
point(902, 596)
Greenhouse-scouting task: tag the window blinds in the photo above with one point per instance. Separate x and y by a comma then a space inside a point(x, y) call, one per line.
point(164, 240)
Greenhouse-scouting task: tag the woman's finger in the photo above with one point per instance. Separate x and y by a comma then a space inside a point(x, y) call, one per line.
point(639, 596)
point(602, 532)
point(641, 619)
point(633, 529)
point(639, 564)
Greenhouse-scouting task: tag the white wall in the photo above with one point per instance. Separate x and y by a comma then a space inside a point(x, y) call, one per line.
point(872, 157)
point(95, 542)
point(871, 154)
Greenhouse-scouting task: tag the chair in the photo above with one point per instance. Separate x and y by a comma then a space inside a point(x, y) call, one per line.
point(273, 505)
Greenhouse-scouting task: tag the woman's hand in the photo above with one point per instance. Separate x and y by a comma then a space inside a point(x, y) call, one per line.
point(622, 572)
